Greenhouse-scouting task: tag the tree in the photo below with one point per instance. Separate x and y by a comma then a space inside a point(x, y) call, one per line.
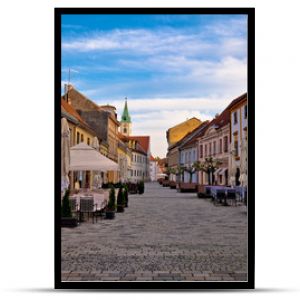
point(180, 171)
point(170, 171)
point(192, 168)
point(209, 166)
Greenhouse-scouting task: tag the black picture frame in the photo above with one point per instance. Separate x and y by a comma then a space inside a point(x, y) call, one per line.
point(176, 285)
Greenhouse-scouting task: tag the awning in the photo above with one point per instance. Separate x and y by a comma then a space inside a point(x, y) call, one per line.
point(223, 171)
point(218, 171)
point(86, 158)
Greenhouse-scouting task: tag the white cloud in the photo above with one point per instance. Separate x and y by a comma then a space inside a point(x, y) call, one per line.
point(152, 42)
point(154, 116)
point(137, 106)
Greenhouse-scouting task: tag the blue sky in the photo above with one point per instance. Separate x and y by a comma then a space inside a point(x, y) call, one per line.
point(170, 67)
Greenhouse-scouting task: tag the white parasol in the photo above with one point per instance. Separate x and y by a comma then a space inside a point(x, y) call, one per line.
point(96, 174)
point(65, 154)
point(86, 158)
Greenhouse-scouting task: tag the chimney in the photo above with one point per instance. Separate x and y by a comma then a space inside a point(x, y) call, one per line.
point(67, 98)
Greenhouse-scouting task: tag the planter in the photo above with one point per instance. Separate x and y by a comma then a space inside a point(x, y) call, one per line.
point(172, 185)
point(120, 208)
point(187, 187)
point(160, 181)
point(165, 183)
point(201, 191)
point(68, 222)
point(109, 214)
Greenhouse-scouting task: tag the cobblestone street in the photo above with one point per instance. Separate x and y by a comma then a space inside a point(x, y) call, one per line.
point(162, 235)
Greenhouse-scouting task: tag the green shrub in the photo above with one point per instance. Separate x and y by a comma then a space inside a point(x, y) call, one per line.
point(112, 199)
point(141, 187)
point(121, 198)
point(66, 208)
point(126, 195)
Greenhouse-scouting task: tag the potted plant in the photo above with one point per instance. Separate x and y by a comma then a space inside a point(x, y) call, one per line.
point(209, 166)
point(172, 183)
point(141, 187)
point(120, 200)
point(66, 214)
point(190, 169)
point(126, 195)
point(111, 206)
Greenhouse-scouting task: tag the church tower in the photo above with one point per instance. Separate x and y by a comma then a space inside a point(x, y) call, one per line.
point(126, 121)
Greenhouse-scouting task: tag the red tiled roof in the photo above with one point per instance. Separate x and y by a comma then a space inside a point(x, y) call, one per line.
point(144, 141)
point(152, 158)
point(162, 161)
point(237, 100)
point(69, 109)
point(224, 118)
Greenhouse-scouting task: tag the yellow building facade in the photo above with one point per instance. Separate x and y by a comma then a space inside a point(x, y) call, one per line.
point(176, 133)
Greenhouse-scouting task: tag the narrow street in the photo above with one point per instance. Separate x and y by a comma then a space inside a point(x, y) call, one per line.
point(162, 235)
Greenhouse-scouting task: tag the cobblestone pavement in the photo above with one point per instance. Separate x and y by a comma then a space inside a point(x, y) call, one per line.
point(162, 236)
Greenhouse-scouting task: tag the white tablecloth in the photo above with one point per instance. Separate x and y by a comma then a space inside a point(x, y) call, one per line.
point(99, 199)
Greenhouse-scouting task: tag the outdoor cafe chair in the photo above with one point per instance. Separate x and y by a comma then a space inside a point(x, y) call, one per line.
point(220, 196)
point(245, 198)
point(231, 195)
point(87, 206)
point(208, 191)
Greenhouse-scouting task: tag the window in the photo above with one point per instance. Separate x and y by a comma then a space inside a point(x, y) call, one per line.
point(134, 172)
point(81, 138)
point(236, 148)
point(245, 112)
point(226, 144)
point(201, 151)
point(209, 149)
point(77, 138)
point(235, 117)
point(220, 148)
point(88, 141)
point(215, 147)
point(205, 150)
point(124, 130)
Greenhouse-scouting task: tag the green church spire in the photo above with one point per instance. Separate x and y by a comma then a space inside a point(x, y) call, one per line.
point(125, 116)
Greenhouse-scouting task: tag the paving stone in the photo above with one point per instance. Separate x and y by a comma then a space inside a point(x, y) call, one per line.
point(162, 234)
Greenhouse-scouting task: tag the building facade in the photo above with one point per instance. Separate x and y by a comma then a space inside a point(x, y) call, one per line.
point(103, 121)
point(238, 134)
point(215, 143)
point(153, 168)
point(80, 132)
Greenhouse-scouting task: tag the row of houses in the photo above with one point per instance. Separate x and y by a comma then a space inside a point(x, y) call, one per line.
point(221, 139)
point(87, 120)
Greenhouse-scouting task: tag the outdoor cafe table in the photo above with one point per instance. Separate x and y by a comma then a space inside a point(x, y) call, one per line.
point(215, 188)
point(241, 190)
point(99, 199)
